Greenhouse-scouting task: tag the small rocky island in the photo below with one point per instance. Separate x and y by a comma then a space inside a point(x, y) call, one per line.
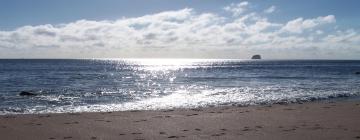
point(257, 56)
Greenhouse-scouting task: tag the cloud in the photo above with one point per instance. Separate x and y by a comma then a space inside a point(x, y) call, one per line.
point(237, 8)
point(271, 9)
point(184, 33)
point(299, 25)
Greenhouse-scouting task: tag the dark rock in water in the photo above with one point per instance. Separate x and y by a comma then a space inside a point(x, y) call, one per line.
point(25, 93)
point(256, 57)
point(357, 72)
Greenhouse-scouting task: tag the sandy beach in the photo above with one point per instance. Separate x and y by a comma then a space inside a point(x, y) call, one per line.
point(315, 120)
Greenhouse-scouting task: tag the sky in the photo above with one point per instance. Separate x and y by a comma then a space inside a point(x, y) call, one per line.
point(228, 29)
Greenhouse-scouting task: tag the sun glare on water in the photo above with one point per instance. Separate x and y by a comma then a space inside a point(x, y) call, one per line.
point(165, 64)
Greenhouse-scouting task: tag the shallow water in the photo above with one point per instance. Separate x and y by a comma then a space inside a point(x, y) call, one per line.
point(78, 85)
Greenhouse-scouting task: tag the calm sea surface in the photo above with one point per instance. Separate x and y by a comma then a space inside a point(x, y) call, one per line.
point(84, 85)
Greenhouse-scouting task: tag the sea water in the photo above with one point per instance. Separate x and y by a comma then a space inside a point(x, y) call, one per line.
point(91, 85)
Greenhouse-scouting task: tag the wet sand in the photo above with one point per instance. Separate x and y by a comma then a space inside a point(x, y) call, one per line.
point(316, 120)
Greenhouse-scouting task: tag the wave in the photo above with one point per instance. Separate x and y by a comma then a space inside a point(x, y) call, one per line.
point(184, 99)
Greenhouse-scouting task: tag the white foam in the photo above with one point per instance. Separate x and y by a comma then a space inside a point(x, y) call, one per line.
point(200, 98)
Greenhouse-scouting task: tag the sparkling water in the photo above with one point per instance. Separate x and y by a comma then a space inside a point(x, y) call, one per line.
point(88, 85)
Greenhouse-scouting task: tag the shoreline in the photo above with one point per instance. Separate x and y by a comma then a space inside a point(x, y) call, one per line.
point(310, 120)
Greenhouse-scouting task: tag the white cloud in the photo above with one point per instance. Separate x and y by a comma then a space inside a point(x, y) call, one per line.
point(299, 25)
point(319, 32)
point(237, 8)
point(343, 37)
point(271, 9)
point(182, 33)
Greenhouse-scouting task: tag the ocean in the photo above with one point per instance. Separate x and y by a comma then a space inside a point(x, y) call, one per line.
point(93, 85)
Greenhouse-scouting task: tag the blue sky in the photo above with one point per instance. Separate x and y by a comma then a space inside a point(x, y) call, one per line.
point(16, 13)
point(322, 20)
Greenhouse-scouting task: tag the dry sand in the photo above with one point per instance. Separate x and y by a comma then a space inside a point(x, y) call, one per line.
point(316, 120)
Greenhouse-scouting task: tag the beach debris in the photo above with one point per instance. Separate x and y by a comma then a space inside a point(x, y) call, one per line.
point(162, 133)
point(136, 133)
point(218, 134)
point(173, 137)
point(25, 93)
point(69, 137)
